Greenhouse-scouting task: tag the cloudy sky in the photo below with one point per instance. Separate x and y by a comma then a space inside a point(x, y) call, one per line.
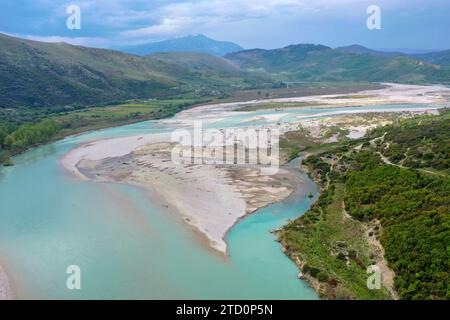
point(415, 24)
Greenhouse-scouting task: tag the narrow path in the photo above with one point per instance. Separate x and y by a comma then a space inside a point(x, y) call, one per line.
point(388, 162)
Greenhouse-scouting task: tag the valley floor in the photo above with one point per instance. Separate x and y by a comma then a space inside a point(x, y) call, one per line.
point(213, 198)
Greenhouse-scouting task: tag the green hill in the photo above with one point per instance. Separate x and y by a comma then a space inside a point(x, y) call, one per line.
point(309, 62)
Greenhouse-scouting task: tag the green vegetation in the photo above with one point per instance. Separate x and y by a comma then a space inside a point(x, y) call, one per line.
point(295, 142)
point(407, 209)
point(414, 210)
point(28, 135)
point(418, 144)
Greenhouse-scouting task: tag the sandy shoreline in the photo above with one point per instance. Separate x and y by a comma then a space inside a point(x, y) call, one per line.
point(210, 198)
point(213, 198)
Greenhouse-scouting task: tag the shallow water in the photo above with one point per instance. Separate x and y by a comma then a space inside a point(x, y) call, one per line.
point(126, 243)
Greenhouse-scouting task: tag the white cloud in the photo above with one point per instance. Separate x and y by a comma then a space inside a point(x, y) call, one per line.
point(192, 16)
point(110, 23)
point(183, 17)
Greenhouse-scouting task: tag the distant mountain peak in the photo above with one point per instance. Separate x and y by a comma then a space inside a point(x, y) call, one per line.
point(198, 43)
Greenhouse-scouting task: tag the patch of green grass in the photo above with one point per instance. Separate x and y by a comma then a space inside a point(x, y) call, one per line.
point(292, 143)
point(335, 130)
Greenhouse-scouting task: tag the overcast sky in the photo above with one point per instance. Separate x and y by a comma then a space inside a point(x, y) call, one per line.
point(416, 24)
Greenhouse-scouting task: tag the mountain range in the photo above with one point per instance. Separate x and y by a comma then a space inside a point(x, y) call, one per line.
point(37, 74)
point(54, 75)
point(309, 62)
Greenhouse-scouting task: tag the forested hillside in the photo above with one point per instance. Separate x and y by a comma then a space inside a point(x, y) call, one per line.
point(406, 208)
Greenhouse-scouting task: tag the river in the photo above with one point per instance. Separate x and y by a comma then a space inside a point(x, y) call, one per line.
point(126, 243)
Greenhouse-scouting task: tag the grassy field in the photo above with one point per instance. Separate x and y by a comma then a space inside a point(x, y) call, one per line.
point(133, 111)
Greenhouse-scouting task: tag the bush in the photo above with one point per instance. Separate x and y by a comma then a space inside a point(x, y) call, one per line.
point(321, 276)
